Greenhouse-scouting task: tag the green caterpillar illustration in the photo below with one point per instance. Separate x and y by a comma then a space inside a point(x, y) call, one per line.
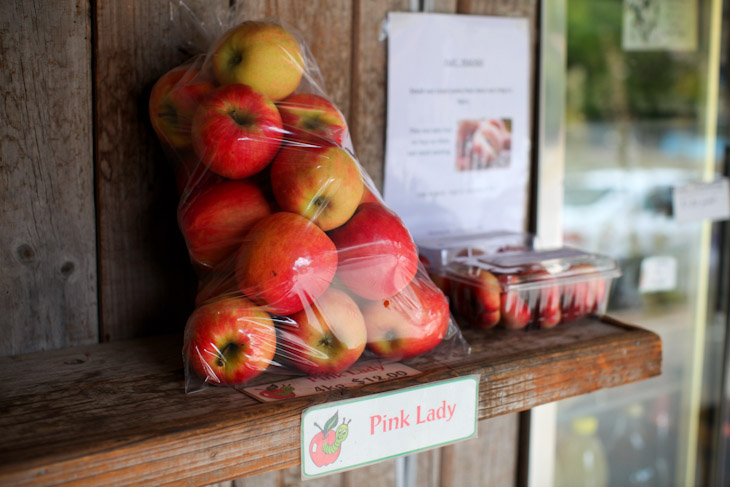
point(340, 436)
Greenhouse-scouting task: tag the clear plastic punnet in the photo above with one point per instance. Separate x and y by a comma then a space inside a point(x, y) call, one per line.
point(437, 251)
point(302, 268)
point(528, 289)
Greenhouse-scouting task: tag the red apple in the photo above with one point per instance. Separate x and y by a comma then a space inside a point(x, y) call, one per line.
point(285, 263)
point(476, 296)
point(377, 256)
point(310, 117)
point(236, 131)
point(173, 101)
point(215, 220)
point(515, 308)
point(262, 55)
point(368, 195)
point(409, 323)
point(549, 312)
point(584, 296)
point(229, 341)
point(326, 337)
point(321, 183)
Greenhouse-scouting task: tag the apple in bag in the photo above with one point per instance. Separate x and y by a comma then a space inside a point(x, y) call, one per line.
point(173, 101)
point(408, 324)
point(236, 131)
point(377, 256)
point(229, 341)
point(262, 55)
point(215, 219)
point(311, 118)
point(285, 263)
point(326, 337)
point(322, 183)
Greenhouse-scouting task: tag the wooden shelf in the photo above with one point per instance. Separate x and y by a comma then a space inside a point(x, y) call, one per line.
point(116, 413)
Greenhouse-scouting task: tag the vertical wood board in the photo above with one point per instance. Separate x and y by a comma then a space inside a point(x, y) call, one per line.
point(146, 280)
point(369, 86)
point(48, 287)
point(487, 461)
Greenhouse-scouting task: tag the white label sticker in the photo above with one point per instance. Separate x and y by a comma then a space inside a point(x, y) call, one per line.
point(702, 201)
point(368, 372)
point(658, 273)
point(347, 434)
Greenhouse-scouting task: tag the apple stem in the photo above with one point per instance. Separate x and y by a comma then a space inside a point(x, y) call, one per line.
point(241, 118)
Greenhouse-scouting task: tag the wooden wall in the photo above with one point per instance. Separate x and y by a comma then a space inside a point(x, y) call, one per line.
point(89, 245)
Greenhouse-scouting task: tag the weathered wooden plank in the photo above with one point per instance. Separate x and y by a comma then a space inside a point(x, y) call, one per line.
point(367, 116)
point(116, 414)
point(382, 474)
point(490, 460)
point(146, 282)
point(47, 236)
point(502, 8)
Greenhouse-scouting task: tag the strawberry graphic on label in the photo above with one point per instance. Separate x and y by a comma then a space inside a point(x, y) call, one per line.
point(326, 445)
point(275, 391)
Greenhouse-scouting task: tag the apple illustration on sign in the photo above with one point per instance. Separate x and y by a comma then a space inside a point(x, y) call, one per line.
point(215, 220)
point(262, 55)
point(229, 341)
point(236, 131)
point(409, 323)
point(310, 117)
point(285, 263)
point(274, 391)
point(173, 101)
point(326, 337)
point(377, 256)
point(322, 183)
point(325, 445)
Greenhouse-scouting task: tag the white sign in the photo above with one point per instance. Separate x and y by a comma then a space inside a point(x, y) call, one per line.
point(362, 373)
point(659, 25)
point(658, 273)
point(348, 434)
point(457, 145)
point(702, 201)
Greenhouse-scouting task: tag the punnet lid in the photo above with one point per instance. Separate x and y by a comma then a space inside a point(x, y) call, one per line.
point(438, 251)
point(535, 269)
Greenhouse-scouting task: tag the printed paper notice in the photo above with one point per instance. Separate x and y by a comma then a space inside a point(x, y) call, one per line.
point(457, 146)
point(651, 25)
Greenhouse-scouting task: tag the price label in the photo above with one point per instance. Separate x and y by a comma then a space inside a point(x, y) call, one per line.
point(658, 273)
point(368, 372)
point(702, 201)
point(343, 435)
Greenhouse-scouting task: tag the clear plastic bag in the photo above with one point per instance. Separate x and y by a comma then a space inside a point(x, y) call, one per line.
point(302, 268)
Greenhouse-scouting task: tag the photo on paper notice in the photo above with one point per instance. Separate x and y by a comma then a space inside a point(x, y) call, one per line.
point(483, 143)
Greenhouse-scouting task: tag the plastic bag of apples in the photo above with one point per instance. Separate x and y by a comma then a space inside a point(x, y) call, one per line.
point(301, 266)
